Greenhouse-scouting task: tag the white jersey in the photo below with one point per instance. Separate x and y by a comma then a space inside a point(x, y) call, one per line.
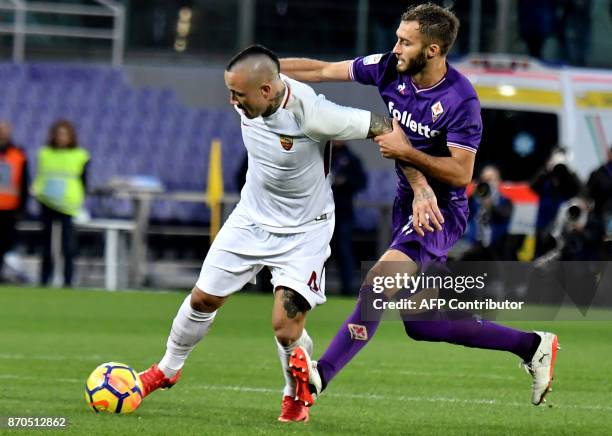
point(287, 187)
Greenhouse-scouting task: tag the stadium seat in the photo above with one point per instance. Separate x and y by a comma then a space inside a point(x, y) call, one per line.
point(132, 131)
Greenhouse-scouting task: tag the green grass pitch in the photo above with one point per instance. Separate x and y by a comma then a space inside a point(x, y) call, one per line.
point(51, 339)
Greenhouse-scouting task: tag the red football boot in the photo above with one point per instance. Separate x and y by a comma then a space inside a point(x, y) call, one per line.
point(308, 384)
point(153, 379)
point(293, 410)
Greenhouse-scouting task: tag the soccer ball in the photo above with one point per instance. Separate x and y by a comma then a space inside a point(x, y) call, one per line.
point(113, 387)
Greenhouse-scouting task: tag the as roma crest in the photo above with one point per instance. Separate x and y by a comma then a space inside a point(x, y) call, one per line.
point(286, 142)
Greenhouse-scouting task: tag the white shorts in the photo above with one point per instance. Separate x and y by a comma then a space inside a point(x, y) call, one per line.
point(242, 249)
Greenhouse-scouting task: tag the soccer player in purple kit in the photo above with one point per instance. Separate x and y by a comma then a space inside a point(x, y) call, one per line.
point(436, 130)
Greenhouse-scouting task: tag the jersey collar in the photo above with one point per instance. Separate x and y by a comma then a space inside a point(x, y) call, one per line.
point(287, 95)
point(438, 83)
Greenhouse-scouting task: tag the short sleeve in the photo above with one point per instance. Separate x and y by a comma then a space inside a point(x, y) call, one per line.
point(368, 70)
point(325, 120)
point(465, 130)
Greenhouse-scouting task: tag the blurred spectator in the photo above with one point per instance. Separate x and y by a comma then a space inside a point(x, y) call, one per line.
point(348, 178)
point(536, 23)
point(555, 184)
point(60, 186)
point(577, 233)
point(574, 29)
point(599, 188)
point(490, 214)
point(13, 189)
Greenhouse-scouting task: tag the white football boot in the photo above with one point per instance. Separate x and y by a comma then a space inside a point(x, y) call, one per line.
point(541, 366)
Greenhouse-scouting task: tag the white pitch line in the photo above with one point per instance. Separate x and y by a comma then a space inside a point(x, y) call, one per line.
point(4, 356)
point(30, 377)
point(399, 397)
point(95, 358)
point(344, 395)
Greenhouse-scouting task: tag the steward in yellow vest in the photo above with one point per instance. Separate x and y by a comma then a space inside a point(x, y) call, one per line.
point(59, 187)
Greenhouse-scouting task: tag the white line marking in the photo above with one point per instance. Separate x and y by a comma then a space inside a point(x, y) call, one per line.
point(400, 398)
point(344, 395)
point(387, 370)
point(49, 357)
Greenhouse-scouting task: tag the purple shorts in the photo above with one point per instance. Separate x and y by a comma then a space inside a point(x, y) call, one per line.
point(434, 246)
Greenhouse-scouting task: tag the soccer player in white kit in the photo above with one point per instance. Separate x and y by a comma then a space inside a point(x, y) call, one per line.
point(285, 217)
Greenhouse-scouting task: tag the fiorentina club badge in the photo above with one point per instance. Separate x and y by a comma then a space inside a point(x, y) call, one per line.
point(286, 142)
point(358, 332)
point(436, 111)
point(401, 88)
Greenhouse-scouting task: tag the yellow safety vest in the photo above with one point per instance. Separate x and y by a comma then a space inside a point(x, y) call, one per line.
point(58, 182)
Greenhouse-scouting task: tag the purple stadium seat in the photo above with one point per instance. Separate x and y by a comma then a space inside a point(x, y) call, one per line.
point(131, 131)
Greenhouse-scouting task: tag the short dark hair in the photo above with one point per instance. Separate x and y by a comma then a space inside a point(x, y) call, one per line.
point(438, 24)
point(252, 51)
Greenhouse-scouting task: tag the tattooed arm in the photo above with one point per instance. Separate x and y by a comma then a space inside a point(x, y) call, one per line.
point(425, 210)
point(425, 205)
point(379, 125)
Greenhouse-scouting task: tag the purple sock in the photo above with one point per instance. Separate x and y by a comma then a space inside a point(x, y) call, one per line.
point(354, 334)
point(476, 334)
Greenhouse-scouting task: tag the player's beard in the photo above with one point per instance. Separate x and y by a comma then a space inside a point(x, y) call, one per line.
point(414, 65)
point(269, 111)
point(246, 112)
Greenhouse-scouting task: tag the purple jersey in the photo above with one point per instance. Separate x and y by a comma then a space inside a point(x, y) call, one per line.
point(444, 115)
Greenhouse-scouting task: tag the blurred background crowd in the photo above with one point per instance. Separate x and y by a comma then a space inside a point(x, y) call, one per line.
point(123, 101)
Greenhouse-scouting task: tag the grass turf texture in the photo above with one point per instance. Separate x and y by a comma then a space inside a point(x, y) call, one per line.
point(50, 340)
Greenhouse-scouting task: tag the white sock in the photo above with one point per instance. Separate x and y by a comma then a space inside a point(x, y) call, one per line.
point(285, 352)
point(188, 327)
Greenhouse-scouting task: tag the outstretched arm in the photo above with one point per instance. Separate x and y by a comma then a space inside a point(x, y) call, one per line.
point(379, 125)
point(312, 70)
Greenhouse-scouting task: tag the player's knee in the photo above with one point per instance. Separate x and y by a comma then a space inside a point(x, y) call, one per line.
point(203, 302)
point(366, 290)
point(416, 330)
